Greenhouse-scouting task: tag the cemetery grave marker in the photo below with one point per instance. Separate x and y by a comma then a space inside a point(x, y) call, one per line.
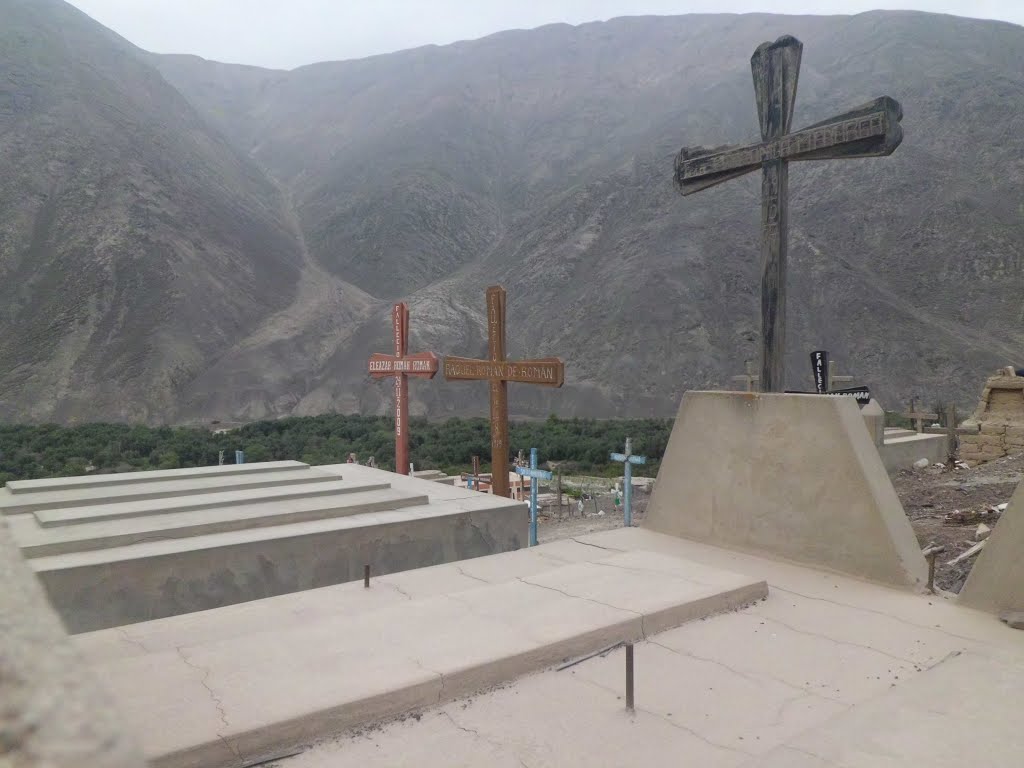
point(499, 371)
point(628, 460)
point(401, 365)
point(535, 475)
point(872, 130)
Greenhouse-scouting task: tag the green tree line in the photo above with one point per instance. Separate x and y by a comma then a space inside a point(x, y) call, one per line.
point(583, 445)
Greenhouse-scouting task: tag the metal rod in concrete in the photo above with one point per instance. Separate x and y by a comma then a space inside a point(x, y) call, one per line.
point(366, 576)
point(629, 677)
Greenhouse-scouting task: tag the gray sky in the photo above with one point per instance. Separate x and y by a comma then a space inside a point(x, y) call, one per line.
point(289, 33)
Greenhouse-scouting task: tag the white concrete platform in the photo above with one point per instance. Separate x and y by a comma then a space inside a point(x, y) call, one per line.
point(231, 686)
point(113, 550)
point(830, 671)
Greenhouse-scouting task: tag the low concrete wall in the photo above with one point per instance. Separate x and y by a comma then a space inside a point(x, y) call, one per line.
point(53, 712)
point(900, 452)
point(996, 582)
point(95, 590)
point(795, 476)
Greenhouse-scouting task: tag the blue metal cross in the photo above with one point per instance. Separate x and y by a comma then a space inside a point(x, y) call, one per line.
point(628, 459)
point(534, 474)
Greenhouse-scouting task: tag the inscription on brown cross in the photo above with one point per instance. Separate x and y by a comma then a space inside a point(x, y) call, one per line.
point(401, 365)
point(499, 371)
point(872, 130)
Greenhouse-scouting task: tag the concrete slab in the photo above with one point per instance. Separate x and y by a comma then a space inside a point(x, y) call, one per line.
point(11, 503)
point(328, 602)
point(346, 669)
point(794, 476)
point(119, 552)
point(97, 512)
point(818, 675)
point(921, 723)
point(996, 582)
point(107, 534)
point(130, 478)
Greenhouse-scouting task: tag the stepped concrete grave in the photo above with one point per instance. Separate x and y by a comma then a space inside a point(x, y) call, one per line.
point(999, 419)
point(794, 476)
point(118, 549)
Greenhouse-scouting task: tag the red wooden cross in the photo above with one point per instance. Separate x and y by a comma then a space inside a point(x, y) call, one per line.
point(401, 365)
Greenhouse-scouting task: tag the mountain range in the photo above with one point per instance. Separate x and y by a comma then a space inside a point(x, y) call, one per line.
point(183, 240)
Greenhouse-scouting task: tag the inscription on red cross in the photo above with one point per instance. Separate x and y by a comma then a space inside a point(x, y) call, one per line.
point(401, 365)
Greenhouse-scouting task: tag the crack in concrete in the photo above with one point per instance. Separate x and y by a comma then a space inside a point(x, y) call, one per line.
point(876, 612)
point(598, 546)
point(393, 586)
point(849, 643)
point(754, 677)
point(123, 632)
point(469, 575)
point(680, 726)
point(588, 599)
point(477, 735)
point(217, 702)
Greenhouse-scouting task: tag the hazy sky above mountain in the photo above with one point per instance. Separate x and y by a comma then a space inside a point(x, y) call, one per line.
point(289, 33)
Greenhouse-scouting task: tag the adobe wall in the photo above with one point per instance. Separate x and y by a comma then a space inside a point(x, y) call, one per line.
point(1000, 418)
point(794, 476)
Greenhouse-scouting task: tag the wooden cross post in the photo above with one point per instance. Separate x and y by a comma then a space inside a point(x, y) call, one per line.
point(918, 416)
point(498, 370)
point(401, 365)
point(872, 130)
point(952, 433)
point(628, 459)
point(834, 378)
point(534, 474)
point(750, 379)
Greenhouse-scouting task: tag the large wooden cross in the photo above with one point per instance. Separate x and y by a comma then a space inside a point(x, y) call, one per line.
point(498, 370)
point(401, 365)
point(872, 130)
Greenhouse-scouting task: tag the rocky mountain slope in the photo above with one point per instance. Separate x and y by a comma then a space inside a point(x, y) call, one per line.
point(224, 242)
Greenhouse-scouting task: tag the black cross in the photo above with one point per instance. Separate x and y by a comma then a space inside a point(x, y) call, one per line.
point(872, 130)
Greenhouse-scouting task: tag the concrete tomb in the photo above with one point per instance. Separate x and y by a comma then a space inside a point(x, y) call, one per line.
point(117, 549)
point(52, 710)
point(999, 419)
point(900, 448)
point(794, 476)
point(996, 582)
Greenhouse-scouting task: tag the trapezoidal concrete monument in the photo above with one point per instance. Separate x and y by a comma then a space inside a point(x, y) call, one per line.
point(791, 476)
point(996, 582)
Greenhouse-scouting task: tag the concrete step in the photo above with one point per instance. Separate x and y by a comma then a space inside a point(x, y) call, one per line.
point(50, 518)
point(107, 534)
point(127, 478)
point(11, 503)
point(159, 577)
point(235, 700)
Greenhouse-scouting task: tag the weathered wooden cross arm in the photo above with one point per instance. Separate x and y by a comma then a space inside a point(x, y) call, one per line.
point(871, 130)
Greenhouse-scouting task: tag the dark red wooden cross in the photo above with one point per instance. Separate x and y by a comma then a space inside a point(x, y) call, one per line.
point(402, 365)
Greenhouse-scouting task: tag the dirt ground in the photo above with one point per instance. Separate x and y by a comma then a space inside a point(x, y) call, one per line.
point(944, 507)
